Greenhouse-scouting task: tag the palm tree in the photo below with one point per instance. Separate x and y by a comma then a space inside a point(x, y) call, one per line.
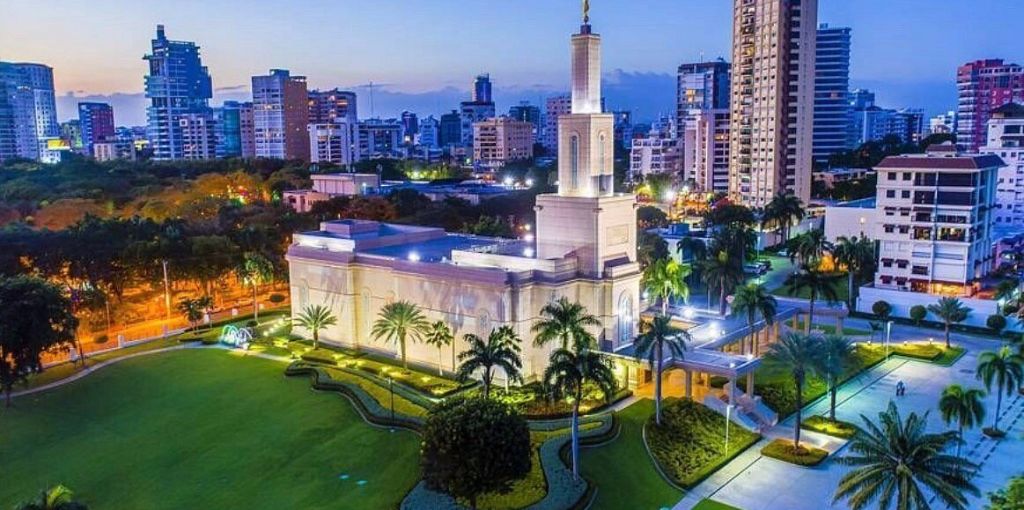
point(655, 338)
point(400, 322)
point(567, 372)
point(782, 211)
point(725, 273)
point(818, 284)
point(254, 271)
point(666, 279)
point(799, 354)
point(858, 255)
point(836, 352)
point(314, 318)
point(501, 349)
point(951, 311)
point(1004, 369)
point(439, 335)
point(565, 322)
point(193, 309)
point(964, 406)
point(896, 458)
point(754, 300)
point(810, 247)
point(57, 497)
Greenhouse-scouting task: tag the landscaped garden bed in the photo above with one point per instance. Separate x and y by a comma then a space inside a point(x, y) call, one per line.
point(535, 403)
point(689, 444)
point(806, 455)
point(823, 425)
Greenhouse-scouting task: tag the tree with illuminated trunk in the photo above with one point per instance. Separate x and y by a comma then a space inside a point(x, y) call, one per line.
point(753, 301)
point(656, 337)
point(314, 318)
point(439, 335)
point(665, 279)
point(951, 311)
point(35, 316)
point(400, 322)
point(254, 271)
point(817, 284)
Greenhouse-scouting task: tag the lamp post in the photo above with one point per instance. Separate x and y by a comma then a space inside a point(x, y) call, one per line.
point(728, 413)
point(888, 335)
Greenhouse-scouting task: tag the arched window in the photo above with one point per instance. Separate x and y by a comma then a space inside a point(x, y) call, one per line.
point(625, 319)
point(366, 313)
point(574, 161)
point(601, 164)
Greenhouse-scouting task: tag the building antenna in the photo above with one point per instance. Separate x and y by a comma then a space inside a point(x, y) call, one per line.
point(701, 60)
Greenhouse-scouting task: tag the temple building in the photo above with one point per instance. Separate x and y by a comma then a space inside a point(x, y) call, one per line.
point(584, 250)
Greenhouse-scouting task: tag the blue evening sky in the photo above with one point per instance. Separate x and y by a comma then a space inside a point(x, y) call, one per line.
point(424, 53)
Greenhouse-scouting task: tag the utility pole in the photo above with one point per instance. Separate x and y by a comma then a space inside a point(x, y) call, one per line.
point(167, 292)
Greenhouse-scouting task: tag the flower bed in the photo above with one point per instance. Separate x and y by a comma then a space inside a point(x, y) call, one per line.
point(534, 402)
point(689, 444)
point(782, 449)
point(821, 424)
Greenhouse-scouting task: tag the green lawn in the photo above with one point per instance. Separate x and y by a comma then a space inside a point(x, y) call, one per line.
point(710, 504)
point(201, 428)
point(623, 471)
point(842, 290)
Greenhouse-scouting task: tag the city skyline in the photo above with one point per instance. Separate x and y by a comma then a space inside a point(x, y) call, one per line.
point(907, 64)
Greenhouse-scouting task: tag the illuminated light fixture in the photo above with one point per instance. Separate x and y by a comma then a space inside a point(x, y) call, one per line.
point(670, 195)
point(527, 227)
point(528, 252)
point(750, 356)
point(414, 256)
point(528, 237)
point(508, 181)
point(686, 190)
point(529, 183)
point(689, 312)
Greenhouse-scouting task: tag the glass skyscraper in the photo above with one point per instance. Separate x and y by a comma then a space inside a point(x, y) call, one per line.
point(177, 84)
point(28, 110)
point(831, 92)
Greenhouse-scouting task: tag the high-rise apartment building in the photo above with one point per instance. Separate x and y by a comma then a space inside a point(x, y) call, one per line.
point(1006, 140)
point(553, 108)
point(281, 115)
point(326, 106)
point(177, 84)
point(96, 121)
point(482, 89)
point(428, 134)
point(450, 130)
point(875, 123)
point(701, 86)
point(501, 140)
point(28, 111)
point(702, 124)
point(228, 123)
point(527, 112)
point(246, 130)
point(934, 221)
point(772, 99)
point(623, 128)
point(71, 132)
point(983, 86)
point(831, 92)
point(379, 139)
point(198, 135)
point(410, 127)
point(332, 143)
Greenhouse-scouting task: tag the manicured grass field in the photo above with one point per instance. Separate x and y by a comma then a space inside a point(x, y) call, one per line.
point(623, 471)
point(710, 504)
point(201, 428)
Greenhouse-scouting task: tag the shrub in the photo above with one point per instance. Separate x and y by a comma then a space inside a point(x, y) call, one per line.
point(251, 323)
point(320, 356)
point(1011, 308)
point(881, 308)
point(690, 442)
point(918, 313)
point(101, 339)
point(474, 446)
point(1010, 497)
point(996, 322)
point(840, 429)
point(276, 298)
point(783, 449)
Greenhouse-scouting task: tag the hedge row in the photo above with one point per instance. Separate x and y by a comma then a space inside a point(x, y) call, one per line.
point(371, 410)
point(619, 396)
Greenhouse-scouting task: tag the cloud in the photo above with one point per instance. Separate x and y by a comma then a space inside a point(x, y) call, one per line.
point(232, 88)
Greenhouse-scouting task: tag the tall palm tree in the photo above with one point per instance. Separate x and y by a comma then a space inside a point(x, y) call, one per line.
point(897, 459)
point(799, 354)
point(656, 337)
point(951, 311)
point(567, 372)
point(811, 247)
point(439, 335)
point(57, 497)
point(964, 406)
point(254, 271)
point(1005, 370)
point(564, 322)
point(782, 211)
point(754, 300)
point(314, 318)
point(666, 279)
point(501, 349)
point(724, 272)
point(818, 284)
point(400, 322)
point(193, 309)
point(836, 352)
point(858, 255)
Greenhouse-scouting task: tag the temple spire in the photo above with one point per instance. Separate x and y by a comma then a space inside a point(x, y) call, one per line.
point(586, 12)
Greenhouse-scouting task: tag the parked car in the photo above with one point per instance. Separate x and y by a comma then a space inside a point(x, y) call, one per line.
point(754, 269)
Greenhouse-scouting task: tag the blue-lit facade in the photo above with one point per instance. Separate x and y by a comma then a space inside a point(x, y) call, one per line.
point(831, 92)
point(177, 84)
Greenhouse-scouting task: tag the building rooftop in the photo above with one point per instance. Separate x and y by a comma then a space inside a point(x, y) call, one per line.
point(933, 161)
point(434, 250)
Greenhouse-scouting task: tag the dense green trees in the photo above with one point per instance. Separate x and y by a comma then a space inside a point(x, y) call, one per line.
point(799, 354)
point(35, 316)
point(475, 446)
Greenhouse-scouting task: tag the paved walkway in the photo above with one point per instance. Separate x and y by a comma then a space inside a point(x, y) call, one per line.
point(753, 482)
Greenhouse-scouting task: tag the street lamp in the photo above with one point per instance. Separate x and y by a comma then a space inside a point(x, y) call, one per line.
point(728, 413)
point(888, 335)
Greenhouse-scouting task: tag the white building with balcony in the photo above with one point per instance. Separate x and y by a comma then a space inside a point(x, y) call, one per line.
point(1006, 140)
